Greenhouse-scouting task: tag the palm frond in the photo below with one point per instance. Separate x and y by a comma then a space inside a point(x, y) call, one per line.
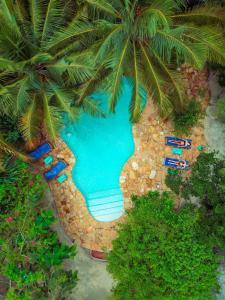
point(108, 42)
point(89, 86)
point(52, 20)
point(78, 71)
point(22, 98)
point(206, 14)
point(8, 148)
point(167, 41)
point(7, 64)
point(66, 35)
point(104, 6)
point(20, 10)
point(212, 39)
point(6, 14)
point(65, 100)
point(154, 84)
point(28, 124)
point(155, 16)
point(36, 16)
point(174, 78)
point(92, 107)
point(135, 106)
point(52, 118)
point(117, 66)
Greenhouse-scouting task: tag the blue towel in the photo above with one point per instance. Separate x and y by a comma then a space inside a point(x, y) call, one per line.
point(177, 142)
point(40, 151)
point(55, 170)
point(176, 163)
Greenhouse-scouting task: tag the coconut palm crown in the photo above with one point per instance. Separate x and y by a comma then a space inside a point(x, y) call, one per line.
point(40, 65)
point(148, 39)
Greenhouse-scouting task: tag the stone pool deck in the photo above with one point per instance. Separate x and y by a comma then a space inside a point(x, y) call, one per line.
point(142, 173)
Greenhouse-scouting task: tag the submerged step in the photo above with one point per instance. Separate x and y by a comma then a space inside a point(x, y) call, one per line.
point(108, 216)
point(98, 201)
point(106, 206)
point(104, 193)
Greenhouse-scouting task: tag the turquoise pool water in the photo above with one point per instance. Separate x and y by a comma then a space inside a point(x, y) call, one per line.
point(101, 147)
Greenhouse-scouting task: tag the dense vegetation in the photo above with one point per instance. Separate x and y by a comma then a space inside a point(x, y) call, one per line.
point(160, 253)
point(31, 255)
point(207, 183)
point(53, 54)
point(186, 120)
point(40, 66)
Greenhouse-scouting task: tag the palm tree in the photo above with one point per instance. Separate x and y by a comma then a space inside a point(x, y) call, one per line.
point(147, 40)
point(41, 66)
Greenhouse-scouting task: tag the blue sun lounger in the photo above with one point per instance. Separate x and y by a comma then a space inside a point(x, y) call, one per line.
point(40, 151)
point(55, 170)
point(178, 142)
point(176, 163)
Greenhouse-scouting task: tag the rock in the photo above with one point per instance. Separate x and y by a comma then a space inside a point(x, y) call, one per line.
point(135, 165)
point(152, 174)
point(122, 179)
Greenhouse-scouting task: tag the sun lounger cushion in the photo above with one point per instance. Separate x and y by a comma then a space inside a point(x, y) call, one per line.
point(62, 178)
point(48, 160)
point(40, 151)
point(55, 170)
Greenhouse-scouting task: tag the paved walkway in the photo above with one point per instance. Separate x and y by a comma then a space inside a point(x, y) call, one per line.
point(95, 283)
point(143, 172)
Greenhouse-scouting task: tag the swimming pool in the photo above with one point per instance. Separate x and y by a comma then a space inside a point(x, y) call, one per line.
point(101, 147)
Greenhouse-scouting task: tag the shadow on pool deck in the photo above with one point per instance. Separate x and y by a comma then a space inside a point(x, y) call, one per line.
point(95, 282)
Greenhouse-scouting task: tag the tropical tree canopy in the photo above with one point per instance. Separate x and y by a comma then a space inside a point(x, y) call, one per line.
point(40, 65)
point(148, 39)
point(159, 253)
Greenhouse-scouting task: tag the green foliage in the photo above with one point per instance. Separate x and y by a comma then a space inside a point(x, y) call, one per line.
point(174, 182)
point(148, 40)
point(42, 65)
point(184, 121)
point(207, 182)
point(31, 255)
point(221, 73)
point(220, 109)
point(159, 253)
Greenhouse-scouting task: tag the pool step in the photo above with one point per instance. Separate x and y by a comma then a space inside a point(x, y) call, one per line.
point(106, 206)
point(104, 193)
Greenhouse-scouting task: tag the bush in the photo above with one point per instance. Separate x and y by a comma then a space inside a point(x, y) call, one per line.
point(159, 253)
point(31, 255)
point(183, 122)
point(221, 73)
point(174, 182)
point(220, 110)
point(207, 182)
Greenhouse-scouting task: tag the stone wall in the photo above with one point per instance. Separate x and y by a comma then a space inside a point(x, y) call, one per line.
point(142, 173)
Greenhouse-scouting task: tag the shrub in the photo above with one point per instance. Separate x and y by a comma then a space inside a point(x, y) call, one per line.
point(220, 110)
point(184, 121)
point(31, 255)
point(174, 182)
point(159, 253)
point(207, 182)
point(221, 73)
